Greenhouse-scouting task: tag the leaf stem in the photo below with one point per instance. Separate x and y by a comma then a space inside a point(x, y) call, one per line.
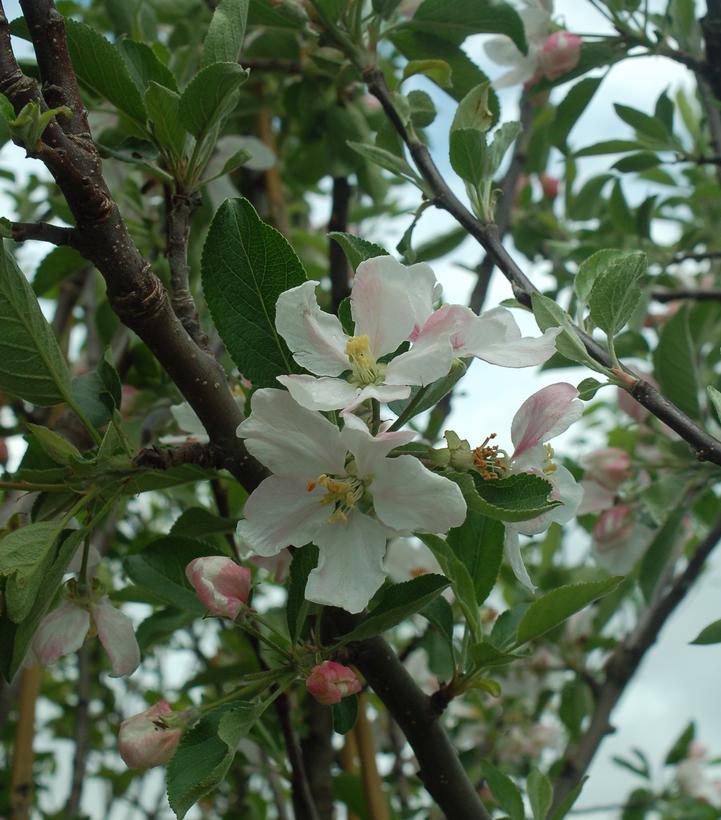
point(408, 413)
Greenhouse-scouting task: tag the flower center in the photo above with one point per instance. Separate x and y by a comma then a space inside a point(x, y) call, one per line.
point(548, 466)
point(366, 369)
point(489, 461)
point(342, 493)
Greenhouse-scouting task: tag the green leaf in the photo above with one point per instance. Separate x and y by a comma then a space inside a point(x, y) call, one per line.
point(486, 655)
point(15, 638)
point(644, 125)
point(100, 67)
point(397, 603)
point(24, 556)
point(548, 314)
point(505, 629)
point(356, 249)
point(616, 292)
point(587, 388)
point(656, 556)
point(454, 20)
point(709, 634)
point(160, 568)
point(433, 393)
point(391, 162)
point(515, 498)
point(56, 266)
point(31, 364)
point(304, 561)
point(556, 606)
point(474, 110)
point(503, 138)
point(60, 450)
point(478, 542)
point(168, 134)
point(570, 109)
point(637, 162)
point(440, 613)
point(437, 70)
point(224, 39)
point(459, 577)
point(467, 148)
point(246, 265)
point(345, 714)
point(98, 393)
point(591, 268)
point(608, 147)
point(540, 793)
point(205, 754)
point(144, 66)
point(679, 750)
point(504, 790)
point(440, 245)
point(210, 96)
point(197, 522)
point(675, 363)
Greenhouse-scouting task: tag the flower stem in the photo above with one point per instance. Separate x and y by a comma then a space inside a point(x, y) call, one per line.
point(375, 416)
point(409, 412)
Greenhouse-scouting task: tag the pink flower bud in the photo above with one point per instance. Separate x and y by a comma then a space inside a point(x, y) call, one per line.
point(609, 467)
point(560, 54)
point(549, 185)
point(614, 527)
point(330, 682)
point(145, 740)
point(221, 585)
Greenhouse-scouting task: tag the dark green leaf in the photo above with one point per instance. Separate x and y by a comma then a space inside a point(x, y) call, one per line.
point(210, 96)
point(540, 793)
point(467, 148)
point(656, 557)
point(679, 750)
point(145, 67)
point(556, 606)
point(356, 249)
point(397, 603)
point(224, 39)
point(246, 265)
point(304, 561)
point(608, 147)
point(709, 634)
point(56, 266)
point(504, 790)
point(644, 125)
point(616, 292)
point(197, 522)
point(98, 393)
point(31, 364)
point(675, 363)
point(515, 498)
point(345, 714)
point(591, 268)
point(168, 134)
point(570, 109)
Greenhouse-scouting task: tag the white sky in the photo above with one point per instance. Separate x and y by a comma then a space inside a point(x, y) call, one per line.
point(677, 682)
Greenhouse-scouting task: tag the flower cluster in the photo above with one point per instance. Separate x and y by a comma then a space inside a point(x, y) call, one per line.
point(347, 489)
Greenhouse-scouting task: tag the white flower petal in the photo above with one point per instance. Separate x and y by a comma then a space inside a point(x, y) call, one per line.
point(407, 558)
point(281, 512)
point(595, 497)
point(117, 634)
point(512, 550)
point(389, 300)
point(61, 632)
point(324, 393)
point(407, 496)
point(495, 337)
point(384, 393)
point(544, 415)
point(350, 564)
point(369, 451)
point(315, 338)
point(502, 51)
point(289, 439)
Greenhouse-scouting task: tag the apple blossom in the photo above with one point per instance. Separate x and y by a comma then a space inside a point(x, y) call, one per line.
point(537, 23)
point(145, 740)
point(221, 585)
point(606, 470)
point(64, 630)
point(620, 538)
point(330, 682)
point(340, 490)
point(549, 185)
point(559, 54)
point(391, 304)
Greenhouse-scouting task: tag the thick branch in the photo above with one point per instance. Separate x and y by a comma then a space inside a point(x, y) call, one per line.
point(339, 286)
point(486, 234)
point(440, 769)
point(135, 293)
point(624, 662)
point(206, 455)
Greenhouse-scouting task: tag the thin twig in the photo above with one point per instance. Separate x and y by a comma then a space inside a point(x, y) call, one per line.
point(42, 232)
point(622, 666)
point(303, 804)
point(708, 295)
point(81, 732)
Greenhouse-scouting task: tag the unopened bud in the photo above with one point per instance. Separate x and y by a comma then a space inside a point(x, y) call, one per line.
point(560, 54)
point(330, 682)
point(148, 739)
point(221, 585)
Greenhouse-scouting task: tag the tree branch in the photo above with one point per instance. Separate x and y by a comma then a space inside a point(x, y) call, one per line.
point(206, 455)
point(180, 208)
point(303, 805)
point(42, 232)
point(487, 235)
point(441, 771)
point(710, 295)
point(339, 285)
point(81, 732)
point(622, 666)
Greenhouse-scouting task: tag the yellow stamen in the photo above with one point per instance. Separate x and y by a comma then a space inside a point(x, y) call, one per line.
point(342, 493)
point(365, 368)
point(489, 461)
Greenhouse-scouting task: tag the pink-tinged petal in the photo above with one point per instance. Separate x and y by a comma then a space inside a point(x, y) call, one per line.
point(512, 551)
point(560, 54)
point(315, 338)
point(222, 585)
point(495, 337)
point(61, 632)
point(143, 741)
point(324, 393)
point(609, 467)
point(389, 300)
point(408, 497)
point(330, 682)
point(350, 563)
point(544, 415)
point(279, 513)
point(289, 439)
point(620, 539)
point(117, 634)
point(566, 490)
point(595, 497)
